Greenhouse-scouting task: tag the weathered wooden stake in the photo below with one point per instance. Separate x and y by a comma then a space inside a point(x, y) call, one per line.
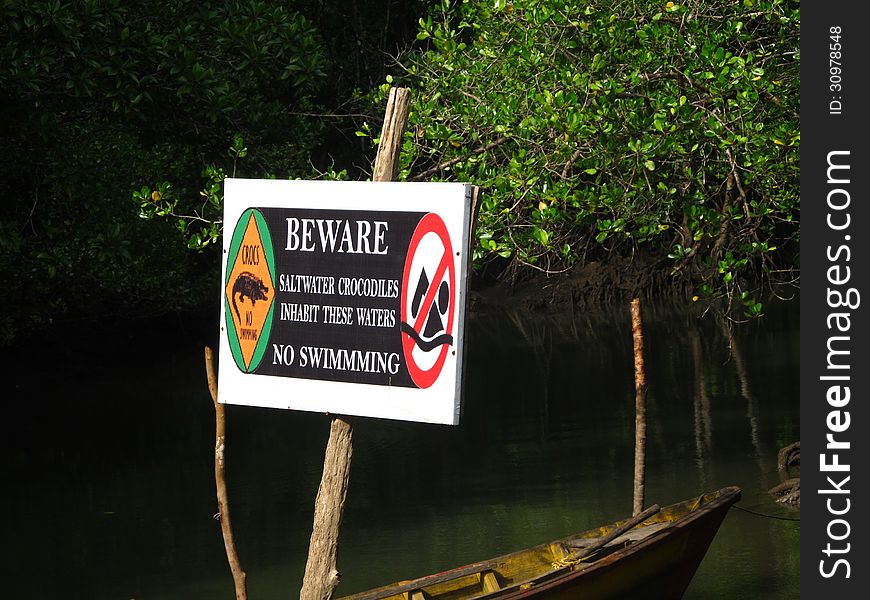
point(639, 408)
point(321, 571)
point(390, 147)
point(239, 577)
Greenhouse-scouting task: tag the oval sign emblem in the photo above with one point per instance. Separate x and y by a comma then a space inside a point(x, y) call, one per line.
point(249, 290)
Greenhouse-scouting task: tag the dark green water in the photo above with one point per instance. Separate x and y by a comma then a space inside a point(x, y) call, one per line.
point(107, 461)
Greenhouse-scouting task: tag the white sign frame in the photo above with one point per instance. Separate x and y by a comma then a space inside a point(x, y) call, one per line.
point(438, 403)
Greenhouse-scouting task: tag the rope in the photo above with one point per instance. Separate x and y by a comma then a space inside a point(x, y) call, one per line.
point(568, 561)
point(758, 514)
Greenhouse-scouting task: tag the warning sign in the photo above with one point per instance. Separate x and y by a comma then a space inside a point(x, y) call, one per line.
point(346, 297)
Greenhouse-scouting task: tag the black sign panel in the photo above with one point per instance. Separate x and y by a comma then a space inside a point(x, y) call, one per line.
point(337, 312)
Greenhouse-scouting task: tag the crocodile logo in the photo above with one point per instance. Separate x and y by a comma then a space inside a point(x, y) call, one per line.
point(248, 284)
point(249, 290)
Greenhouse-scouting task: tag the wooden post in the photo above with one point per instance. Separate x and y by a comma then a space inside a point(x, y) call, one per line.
point(639, 408)
point(395, 119)
point(239, 577)
point(321, 571)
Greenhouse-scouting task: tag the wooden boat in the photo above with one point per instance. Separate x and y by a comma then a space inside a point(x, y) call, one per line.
point(651, 556)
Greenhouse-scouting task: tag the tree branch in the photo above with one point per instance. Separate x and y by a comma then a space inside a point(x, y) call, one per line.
point(239, 576)
point(449, 163)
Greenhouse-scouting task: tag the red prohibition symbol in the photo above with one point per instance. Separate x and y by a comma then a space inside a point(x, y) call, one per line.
point(428, 298)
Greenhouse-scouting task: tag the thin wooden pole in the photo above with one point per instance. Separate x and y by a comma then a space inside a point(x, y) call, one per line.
point(631, 523)
point(321, 570)
point(239, 577)
point(639, 408)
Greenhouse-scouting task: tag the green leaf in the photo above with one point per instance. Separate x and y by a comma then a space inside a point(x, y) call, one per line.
point(541, 235)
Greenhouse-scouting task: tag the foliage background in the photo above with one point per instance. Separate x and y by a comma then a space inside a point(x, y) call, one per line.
point(664, 135)
point(603, 129)
point(102, 96)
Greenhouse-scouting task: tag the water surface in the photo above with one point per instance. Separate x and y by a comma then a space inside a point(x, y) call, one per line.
point(107, 460)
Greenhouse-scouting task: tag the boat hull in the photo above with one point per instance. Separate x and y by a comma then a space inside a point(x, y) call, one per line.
point(653, 560)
